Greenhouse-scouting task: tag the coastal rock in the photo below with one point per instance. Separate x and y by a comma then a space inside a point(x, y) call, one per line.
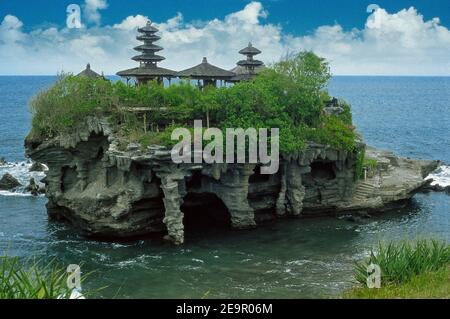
point(3, 161)
point(334, 111)
point(106, 192)
point(439, 188)
point(332, 108)
point(33, 188)
point(37, 167)
point(9, 182)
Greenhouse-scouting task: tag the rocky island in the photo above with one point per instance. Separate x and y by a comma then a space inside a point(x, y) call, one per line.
point(111, 193)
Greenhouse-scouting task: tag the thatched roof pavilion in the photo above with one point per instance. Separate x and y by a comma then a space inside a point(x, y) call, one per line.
point(248, 68)
point(89, 73)
point(209, 73)
point(148, 68)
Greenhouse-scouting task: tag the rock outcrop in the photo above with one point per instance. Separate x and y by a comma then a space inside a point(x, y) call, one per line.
point(37, 167)
point(33, 188)
point(108, 192)
point(9, 182)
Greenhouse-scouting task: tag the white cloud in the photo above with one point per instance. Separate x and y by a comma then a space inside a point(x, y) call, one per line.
point(132, 22)
point(400, 43)
point(11, 30)
point(91, 10)
point(390, 43)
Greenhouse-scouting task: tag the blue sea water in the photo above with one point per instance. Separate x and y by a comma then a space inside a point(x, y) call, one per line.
point(290, 258)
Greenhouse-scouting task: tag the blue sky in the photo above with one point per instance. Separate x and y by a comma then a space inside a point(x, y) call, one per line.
point(296, 16)
point(401, 38)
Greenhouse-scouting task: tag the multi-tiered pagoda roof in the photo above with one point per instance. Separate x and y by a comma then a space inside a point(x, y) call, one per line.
point(148, 61)
point(248, 68)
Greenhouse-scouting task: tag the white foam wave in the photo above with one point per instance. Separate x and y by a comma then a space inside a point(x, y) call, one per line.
point(21, 171)
point(16, 194)
point(441, 176)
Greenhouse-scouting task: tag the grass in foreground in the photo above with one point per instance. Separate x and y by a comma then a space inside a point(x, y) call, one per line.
point(37, 280)
point(399, 262)
point(408, 270)
point(434, 285)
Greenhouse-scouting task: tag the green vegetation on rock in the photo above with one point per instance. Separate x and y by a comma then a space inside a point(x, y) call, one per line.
point(291, 95)
point(364, 163)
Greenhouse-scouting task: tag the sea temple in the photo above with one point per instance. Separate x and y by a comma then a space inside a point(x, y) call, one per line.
point(204, 73)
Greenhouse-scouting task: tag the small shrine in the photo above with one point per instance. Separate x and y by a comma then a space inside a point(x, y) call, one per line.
point(207, 73)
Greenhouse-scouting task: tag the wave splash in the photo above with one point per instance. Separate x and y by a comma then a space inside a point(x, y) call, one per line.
point(441, 176)
point(21, 171)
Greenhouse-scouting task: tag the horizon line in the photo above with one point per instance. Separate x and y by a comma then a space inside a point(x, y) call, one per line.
point(334, 75)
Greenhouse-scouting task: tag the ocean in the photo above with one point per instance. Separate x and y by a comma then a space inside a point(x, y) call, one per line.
point(287, 259)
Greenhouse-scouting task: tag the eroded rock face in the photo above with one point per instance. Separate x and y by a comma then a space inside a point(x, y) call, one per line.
point(119, 194)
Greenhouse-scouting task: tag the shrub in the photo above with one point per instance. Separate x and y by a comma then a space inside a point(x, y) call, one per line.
point(66, 103)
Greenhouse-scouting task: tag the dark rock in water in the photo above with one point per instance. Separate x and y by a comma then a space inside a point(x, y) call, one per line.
point(3, 161)
point(353, 219)
point(32, 187)
point(37, 167)
point(42, 190)
point(364, 215)
point(438, 188)
point(9, 182)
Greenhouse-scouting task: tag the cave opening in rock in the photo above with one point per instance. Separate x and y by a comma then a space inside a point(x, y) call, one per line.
point(258, 177)
point(204, 214)
point(68, 178)
point(323, 170)
point(195, 181)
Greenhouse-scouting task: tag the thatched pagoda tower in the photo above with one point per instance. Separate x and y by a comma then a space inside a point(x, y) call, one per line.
point(248, 68)
point(207, 73)
point(148, 61)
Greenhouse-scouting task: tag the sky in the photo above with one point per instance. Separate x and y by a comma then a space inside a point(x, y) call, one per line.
point(392, 38)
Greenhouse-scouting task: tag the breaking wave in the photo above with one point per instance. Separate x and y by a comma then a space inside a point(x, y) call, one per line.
point(21, 171)
point(441, 176)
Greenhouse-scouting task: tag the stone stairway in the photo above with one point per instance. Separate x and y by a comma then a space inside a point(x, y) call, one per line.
point(365, 190)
